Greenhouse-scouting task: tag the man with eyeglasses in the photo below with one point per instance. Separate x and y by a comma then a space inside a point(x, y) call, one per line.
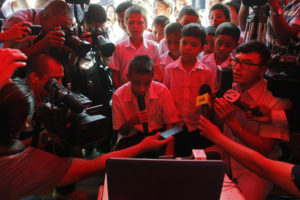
point(249, 67)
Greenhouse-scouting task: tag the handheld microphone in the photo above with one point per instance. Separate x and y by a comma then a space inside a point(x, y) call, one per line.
point(142, 106)
point(204, 101)
point(233, 97)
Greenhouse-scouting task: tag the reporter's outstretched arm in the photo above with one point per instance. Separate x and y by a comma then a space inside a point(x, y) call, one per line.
point(11, 59)
point(81, 169)
point(274, 171)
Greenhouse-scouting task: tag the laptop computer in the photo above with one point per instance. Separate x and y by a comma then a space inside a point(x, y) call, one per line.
point(163, 179)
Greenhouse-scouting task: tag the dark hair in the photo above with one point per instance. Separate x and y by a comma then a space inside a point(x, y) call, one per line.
point(255, 46)
point(141, 64)
point(95, 13)
point(223, 8)
point(194, 30)
point(161, 20)
point(188, 10)
point(230, 29)
point(136, 9)
point(234, 4)
point(211, 30)
point(123, 6)
point(57, 7)
point(16, 104)
point(174, 27)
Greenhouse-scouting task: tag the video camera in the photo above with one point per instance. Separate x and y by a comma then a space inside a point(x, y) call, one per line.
point(100, 42)
point(284, 76)
point(69, 117)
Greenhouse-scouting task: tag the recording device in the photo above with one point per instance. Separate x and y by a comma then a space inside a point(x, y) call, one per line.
point(69, 117)
point(251, 3)
point(142, 106)
point(233, 97)
point(35, 29)
point(284, 76)
point(100, 42)
point(204, 100)
point(170, 132)
point(80, 47)
point(224, 80)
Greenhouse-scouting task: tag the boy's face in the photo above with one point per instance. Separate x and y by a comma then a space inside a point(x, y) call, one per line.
point(248, 74)
point(173, 43)
point(161, 9)
point(187, 19)
point(158, 32)
point(217, 17)
point(190, 47)
point(224, 45)
point(140, 83)
point(210, 44)
point(135, 25)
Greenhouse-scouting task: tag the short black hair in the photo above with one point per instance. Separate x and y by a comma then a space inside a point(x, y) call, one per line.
point(255, 46)
point(234, 4)
point(123, 6)
point(188, 10)
point(141, 64)
point(57, 7)
point(16, 104)
point(136, 9)
point(161, 20)
point(194, 30)
point(211, 30)
point(95, 13)
point(174, 27)
point(230, 29)
point(223, 8)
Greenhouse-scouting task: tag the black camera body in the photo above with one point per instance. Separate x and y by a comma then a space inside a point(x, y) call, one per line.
point(284, 76)
point(101, 43)
point(80, 47)
point(69, 116)
point(251, 3)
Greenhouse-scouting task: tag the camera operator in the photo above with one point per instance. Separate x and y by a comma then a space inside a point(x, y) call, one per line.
point(283, 23)
point(26, 171)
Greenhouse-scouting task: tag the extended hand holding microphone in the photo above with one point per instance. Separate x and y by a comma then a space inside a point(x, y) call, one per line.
point(233, 97)
point(142, 106)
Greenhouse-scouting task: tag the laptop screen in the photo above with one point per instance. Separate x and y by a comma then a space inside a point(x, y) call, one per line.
point(162, 179)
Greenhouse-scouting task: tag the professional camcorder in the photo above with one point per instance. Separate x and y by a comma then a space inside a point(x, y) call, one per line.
point(80, 47)
point(101, 43)
point(251, 3)
point(284, 76)
point(69, 119)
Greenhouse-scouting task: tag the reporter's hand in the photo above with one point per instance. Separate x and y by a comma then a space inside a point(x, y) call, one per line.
point(154, 142)
point(208, 129)
point(10, 60)
point(87, 36)
point(17, 32)
point(223, 109)
point(266, 114)
point(54, 38)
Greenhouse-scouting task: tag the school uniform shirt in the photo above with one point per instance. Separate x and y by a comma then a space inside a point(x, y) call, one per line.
point(159, 103)
point(164, 60)
point(125, 52)
point(184, 87)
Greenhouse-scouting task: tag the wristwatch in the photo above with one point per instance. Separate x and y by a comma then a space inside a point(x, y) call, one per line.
point(276, 12)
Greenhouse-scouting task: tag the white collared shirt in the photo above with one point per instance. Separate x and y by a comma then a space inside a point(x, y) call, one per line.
point(164, 60)
point(184, 87)
point(125, 52)
point(159, 103)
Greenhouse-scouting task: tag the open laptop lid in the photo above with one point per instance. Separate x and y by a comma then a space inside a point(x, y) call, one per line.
point(162, 179)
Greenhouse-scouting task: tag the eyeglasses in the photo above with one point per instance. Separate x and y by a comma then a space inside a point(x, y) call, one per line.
point(244, 65)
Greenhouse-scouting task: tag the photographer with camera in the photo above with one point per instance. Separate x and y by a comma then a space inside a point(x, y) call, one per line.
point(37, 171)
point(282, 25)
